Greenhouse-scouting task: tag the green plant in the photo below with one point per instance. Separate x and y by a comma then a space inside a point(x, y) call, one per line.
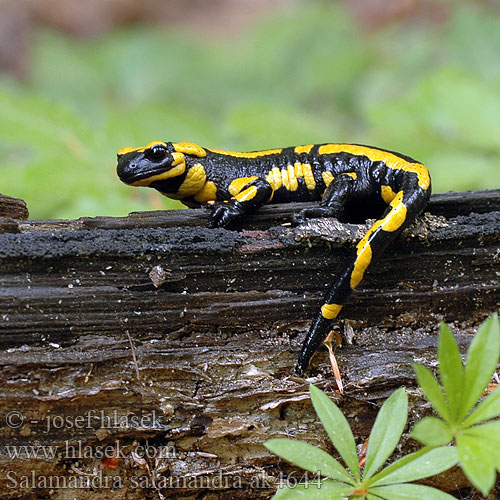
point(392, 483)
point(476, 435)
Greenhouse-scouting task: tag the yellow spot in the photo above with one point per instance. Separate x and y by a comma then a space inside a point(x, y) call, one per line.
point(354, 175)
point(391, 222)
point(391, 160)
point(194, 181)
point(303, 149)
point(207, 194)
point(330, 311)
point(284, 179)
point(153, 143)
point(274, 178)
point(299, 169)
point(177, 170)
point(247, 194)
point(387, 193)
point(238, 184)
point(189, 148)
point(253, 154)
point(124, 151)
point(327, 178)
point(309, 177)
point(292, 180)
point(178, 158)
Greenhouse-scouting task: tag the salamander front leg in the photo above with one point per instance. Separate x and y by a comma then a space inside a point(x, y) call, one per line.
point(248, 194)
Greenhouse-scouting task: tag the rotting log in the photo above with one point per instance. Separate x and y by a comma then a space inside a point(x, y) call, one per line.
point(173, 344)
point(10, 210)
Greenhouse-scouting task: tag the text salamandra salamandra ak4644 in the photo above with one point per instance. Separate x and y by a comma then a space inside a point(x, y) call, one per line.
point(340, 175)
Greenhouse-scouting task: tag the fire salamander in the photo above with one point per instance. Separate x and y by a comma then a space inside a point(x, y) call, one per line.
point(343, 176)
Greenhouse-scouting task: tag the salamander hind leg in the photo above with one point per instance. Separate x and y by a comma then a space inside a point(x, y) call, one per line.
point(401, 211)
point(337, 194)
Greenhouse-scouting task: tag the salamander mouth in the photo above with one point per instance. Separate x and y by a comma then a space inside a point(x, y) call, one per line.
point(139, 178)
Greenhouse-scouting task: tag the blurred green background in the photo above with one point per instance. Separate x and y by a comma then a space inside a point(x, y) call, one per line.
point(303, 72)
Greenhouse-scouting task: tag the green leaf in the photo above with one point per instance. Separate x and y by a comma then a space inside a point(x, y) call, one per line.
point(410, 492)
point(432, 431)
point(429, 464)
point(488, 437)
point(386, 432)
point(451, 369)
point(397, 464)
point(326, 490)
point(309, 457)
point(337, 428)
point(488, 408)
point(432, 391)
point(482, 359)
point(477, 461)
point(489, 431)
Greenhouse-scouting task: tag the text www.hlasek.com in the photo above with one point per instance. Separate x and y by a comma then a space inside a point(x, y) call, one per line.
point(79, 450)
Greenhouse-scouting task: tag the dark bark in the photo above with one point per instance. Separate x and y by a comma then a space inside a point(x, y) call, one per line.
point(216, 319)
point(11, 209)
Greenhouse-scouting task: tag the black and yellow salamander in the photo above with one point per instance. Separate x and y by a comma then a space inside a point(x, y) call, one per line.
point(343, 176)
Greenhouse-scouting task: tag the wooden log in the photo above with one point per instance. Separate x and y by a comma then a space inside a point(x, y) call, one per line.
point(10, 210)
point(173, 344)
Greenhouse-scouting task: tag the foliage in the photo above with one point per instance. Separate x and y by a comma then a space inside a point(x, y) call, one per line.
point(391, 483)
point(475, 434)
point(305, 74)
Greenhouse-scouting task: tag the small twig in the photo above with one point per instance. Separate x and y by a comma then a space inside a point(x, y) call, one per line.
point(362, 453)
point(134, 357)
point(335, 367)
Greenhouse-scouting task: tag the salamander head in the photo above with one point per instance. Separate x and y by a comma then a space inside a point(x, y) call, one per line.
point(155, 162)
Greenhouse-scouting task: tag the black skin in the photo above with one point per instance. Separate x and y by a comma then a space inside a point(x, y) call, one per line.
point(358, 176)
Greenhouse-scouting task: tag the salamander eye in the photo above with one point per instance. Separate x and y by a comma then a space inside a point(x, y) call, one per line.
point(157, 152)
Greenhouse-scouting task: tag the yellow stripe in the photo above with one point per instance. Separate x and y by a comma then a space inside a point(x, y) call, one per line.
point(354, 175)
point(363, 259)
point(247, 194)
point(330, 311)
point(284, 179)
point(194, 181)
point(387, 193)
point(327, 178)
point(303, 149)
point(274, 178)
point(253, 154)
point(391, 222)
point(391, 160)
point(154, 143)
point(173, 172)
point(238, 184)
point(126, 150)
point(189, 148)
point(299, 169)
point(207, 194)
point(309, 177)
point(292, 180)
